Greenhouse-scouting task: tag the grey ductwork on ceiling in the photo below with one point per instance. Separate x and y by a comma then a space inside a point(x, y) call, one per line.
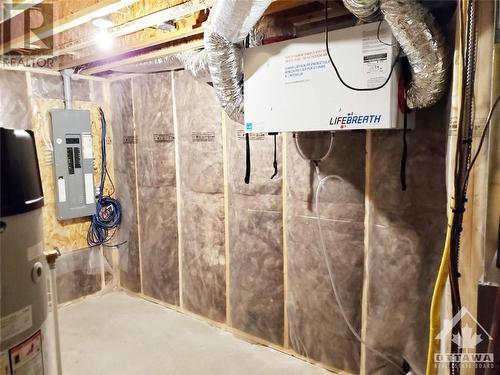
point(411, 23)
point(195, 62)
point(420, 38)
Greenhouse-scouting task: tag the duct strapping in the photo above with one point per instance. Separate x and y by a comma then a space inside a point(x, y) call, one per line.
point(224, 50)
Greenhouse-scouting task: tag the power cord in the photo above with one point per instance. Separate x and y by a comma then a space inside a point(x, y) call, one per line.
point(108, 214)
point(337, 71)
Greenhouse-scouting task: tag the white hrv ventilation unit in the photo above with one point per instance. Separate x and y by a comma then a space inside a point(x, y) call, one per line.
point(292, 86)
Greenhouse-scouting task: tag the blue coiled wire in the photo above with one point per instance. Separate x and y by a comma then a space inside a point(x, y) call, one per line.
point(108, 214)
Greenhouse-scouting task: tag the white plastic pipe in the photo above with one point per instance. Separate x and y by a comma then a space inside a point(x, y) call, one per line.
point(55, 314)
point(66, 75)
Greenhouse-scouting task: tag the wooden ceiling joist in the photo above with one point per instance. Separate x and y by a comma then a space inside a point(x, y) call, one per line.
point(82, 16)
point(182, 10)
point(136, 46)
point(10, 9)
point(189, 46)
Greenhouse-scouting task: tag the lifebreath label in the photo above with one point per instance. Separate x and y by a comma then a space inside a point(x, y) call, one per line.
point(16, 323)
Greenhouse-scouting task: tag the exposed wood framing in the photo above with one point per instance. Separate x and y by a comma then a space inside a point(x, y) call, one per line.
point(10, 9)
point(189, 46)
point(182, 10)
point(82, 16)
point(133, 46)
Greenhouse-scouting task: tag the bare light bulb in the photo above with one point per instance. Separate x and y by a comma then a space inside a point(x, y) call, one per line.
point(103, 39)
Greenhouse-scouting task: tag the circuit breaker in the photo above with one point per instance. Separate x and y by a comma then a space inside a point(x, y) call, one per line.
point(73, 163)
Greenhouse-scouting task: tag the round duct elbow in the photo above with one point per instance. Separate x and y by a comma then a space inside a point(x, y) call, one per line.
point(225, 65)
point(422, 41)
point(365, 10)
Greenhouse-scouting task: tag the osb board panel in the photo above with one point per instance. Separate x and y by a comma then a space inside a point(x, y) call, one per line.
point(141, 9)
point(316, 327)
point(199, 124)
point(156, 178)
point(14, 100)
point(255, 237)
point(66, 234)
point(122, 122)
point(406, 234)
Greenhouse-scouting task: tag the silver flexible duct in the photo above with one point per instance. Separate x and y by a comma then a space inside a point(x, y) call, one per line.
point(422, 41)
point(194, 62)
point(224, 50)
point(365, 10)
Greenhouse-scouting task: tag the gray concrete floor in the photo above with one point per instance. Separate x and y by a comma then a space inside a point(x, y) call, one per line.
point(116, 334)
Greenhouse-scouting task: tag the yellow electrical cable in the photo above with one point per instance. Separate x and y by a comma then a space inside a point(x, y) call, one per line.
point(437, 297)
point(443, 273)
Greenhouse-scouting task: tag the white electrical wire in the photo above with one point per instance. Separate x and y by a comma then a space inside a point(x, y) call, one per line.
point(321, 183)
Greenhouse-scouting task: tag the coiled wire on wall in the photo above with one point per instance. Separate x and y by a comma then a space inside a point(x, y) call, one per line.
point(108, 214)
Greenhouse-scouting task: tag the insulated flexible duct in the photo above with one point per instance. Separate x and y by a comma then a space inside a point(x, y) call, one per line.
point(194, 62)
point(422, 41)
point(365, 10)
point(224, 51)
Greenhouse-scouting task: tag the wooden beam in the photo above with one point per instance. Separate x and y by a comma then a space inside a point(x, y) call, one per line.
point(100, 9)
point(153, 19)
point(281, 5)
point(189, 46)
point(12, 9)
point(136, 46)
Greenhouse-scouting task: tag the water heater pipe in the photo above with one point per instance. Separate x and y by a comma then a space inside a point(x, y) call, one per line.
point(51, 260)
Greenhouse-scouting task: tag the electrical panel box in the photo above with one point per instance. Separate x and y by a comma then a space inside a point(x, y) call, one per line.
point(292, 86)
point(73, 163)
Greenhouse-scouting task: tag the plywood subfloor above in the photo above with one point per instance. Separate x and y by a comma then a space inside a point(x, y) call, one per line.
point(116, 334)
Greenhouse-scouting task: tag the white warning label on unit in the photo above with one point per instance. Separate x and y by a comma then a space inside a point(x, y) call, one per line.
point(27, 358)
point(16, 323)
point(87, 146)
point(61, 189)
point(4, 364)
point(89, 188)
point(35, 251)
point(375, 57)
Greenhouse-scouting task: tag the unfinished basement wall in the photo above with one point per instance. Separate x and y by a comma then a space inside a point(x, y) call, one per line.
point(122, 122)
point(255, 238)
point(316, 327)
point(248, 257)
point(156, 183)
point(26, 99)
point(201, 197)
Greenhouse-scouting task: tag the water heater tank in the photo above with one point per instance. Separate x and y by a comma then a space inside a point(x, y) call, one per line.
point(23, 296)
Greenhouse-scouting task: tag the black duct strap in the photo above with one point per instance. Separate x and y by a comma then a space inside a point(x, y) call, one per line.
point(248, 164)
point(275, 160)
point(404, 156)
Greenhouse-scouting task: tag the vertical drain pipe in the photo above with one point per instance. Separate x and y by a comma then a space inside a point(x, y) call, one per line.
point(66, 75)
point(51, 260)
